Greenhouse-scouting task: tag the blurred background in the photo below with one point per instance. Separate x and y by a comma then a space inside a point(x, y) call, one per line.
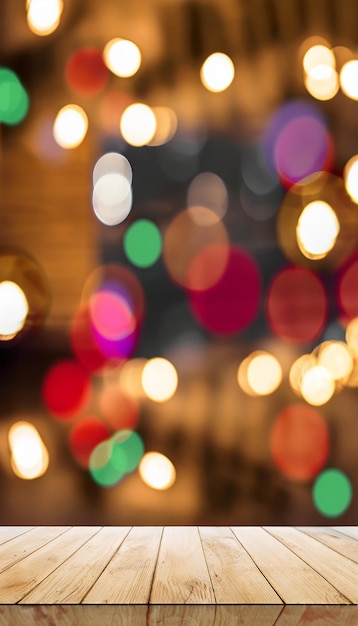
point(178, 262)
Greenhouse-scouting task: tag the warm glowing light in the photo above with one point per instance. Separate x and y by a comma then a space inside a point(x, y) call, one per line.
point(122, 57)
point(138, 124)
point(130, 377)
point(217, 72)
point(159, 379)
point(112, 198)
point(70, 126)
point(317, 385)
point(30, 457)
point(13, 309)
point(336, 357)
point(260, 374)
point(349, 79)
point(298, 368)
point(157, 471)
point(318, 55)
point(167, 124)
point(352, 335)
point(317, 230)
point(112, 162)
point(207, 191)
point(43, 16)
point(322, 82)
point(350, 177)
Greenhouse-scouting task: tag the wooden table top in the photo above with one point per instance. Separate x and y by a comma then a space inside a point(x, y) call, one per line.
point(271, 575)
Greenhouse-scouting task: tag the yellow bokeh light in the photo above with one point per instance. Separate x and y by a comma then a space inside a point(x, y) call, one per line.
point(130, 377)
point(352, 335)
point(29, 456)
point(322, 82)
point(297, 370)
point(159, 379)
point(259, 374)
point(138, 124)
point(317, 229)
point(157, 471)
point(318, 55)
point(335, 356)
point(317, 385)
point(70, 126)
point(14, 309)
point(122, 57)
point(217, 72)
point(349, 79)
point(43, 16)
point(350, 177)
point(166, 125)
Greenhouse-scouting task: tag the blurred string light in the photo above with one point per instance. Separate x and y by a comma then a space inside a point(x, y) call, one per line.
point(352, 335)
point(66, 389)
point(260, 374)
point(317, 229)
point(70, 126)
point(143, 243)
point(321, 78)
point(336, 358)
point(84, 436)
point(14, 99)
point(159, 379)
point(317, 385)
point(299, 442)
point(43, 16)
point(138, 124)
point(349, 79)
point(157, 471)
point(111, 460)
point(346, 288)
point(207, 190)
point(217, 72)
point(14, 309)
point(85, 72)
point(122, 57)
point(166, 125)
point(332, 492)
point(297, 370)
point(29, 455)
point(350, 177)
point(130, 377)
point(112, 191)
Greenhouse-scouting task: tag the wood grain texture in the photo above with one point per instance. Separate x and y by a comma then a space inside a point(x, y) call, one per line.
point(128, 577)
point(335, 540)
point(318, 616)
point(234, 575)
point(341, 572)
point(293, 580)
point(9, 532)
point(181, 575)
point(18, 548)
point(351, 531)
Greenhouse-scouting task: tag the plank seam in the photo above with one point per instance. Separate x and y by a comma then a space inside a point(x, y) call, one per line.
point(21, 534)
point(154, 572)
point(307, 534)
point(36, 549)
point(206, 563)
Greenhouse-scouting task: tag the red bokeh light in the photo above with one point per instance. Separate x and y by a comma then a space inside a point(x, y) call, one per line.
point(85, 72)
point(347, 292)
point(85, 436)
point(66, 389)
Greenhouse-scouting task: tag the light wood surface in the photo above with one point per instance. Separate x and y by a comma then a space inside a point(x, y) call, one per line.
point(214, 576)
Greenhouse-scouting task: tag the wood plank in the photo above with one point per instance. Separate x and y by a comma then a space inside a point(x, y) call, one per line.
point(341, 572)
point(293, 580)
point(27, 543)
point(342, 544)
point(128, 577)
point(22, 577)
point(234, 576)
point(181, 575)
point(318, 616)
point(247, 615)
point(351, 531)
point(73, 615)
point(9, 532)
point(70, 582)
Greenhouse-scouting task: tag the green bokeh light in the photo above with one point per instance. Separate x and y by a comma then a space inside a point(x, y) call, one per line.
point(143, 243)
point(112, 459)
point(14, 100)
point(332, 492)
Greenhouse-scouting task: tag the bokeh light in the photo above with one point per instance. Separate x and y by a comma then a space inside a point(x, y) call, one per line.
point(14, 99)
point(260, 374)
point(29, 455)
point(157, 471)
point(207, 190)
point(119, 409)
point(232, 303)
point(112, 459)
point(143, 243)
point(138, 124)
point(66, 389)
point(43, 16)
point(349, 79)
point(217, 72)
point(317, 385)
point(159, 379)
point(85, 72)
point(352, 335)
point(122, 57)
point(297, 370)
point(322, 82)
point(332, 492)
point(347, 294)
point(297, 305)
point(111, 315)
point(336, 358)
point(317, 55)
point(84, 436)
point(70, 126)
point(350, 176)
point(112, 198)
point(317, 229)
point(14, 309)
point(166, 125)
point(130, 377)
point(112, 163)
point(299, 442)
